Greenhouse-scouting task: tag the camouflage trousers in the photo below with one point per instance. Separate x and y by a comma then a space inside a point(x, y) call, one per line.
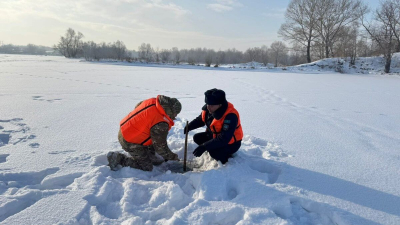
point(142, 157)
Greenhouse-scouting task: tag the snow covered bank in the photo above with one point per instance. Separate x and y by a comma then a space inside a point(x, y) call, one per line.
point(317, 149)
point(363, 65)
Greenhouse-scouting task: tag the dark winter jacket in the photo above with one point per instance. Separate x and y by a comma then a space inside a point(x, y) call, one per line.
point(225, 136)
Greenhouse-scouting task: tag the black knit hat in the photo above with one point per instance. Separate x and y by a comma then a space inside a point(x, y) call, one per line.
point(215, 97)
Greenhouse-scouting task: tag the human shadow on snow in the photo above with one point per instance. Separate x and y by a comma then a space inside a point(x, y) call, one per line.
point(310, 181)
point(303, 207)
point(342, 189)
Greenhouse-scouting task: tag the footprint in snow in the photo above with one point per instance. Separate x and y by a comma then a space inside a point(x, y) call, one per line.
point(263, 166)
point(34, 145)
point(3, 158)
point(40, 98)
point(13, 131)
point(10, 183)
point(34, 186)
point(107, 200)
point(300, 211)
point(61, 152)
point(4, 139)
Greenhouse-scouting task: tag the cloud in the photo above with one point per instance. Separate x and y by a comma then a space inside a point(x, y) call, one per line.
point(170, 7)
point(92, 14)
point(275, 13)
point(224, 5)
point(97, 10)
point(230, 2)
point(162, 23)
point(219, 7)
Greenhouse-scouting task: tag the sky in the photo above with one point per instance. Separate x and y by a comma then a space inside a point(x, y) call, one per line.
point(217, 24)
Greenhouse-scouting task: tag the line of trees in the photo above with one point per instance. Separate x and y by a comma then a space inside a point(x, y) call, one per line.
point(321, 26)
point(278, 53)
point(92, 51)
point(72, 45)
point(340, 28)
point(29, 49)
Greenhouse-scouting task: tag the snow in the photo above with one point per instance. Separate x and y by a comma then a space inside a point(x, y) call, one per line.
point(320, 147)
point(362, 65)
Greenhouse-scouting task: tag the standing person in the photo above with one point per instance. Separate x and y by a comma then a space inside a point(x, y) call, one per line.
point(223, 135)
point(144, 131)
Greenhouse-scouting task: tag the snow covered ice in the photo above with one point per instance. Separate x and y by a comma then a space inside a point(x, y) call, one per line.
point(319, 147)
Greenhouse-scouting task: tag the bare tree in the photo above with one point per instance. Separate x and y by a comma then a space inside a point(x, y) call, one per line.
point(9, 49)
point(351, 50)
point(219, 58)
point(346, 46)
point(71, 44)
point(157, 56)
point(233, 56)
point(381, 30)
point(184, 55)
point(364, 47)
point(264, 55)
point(89, 50)
point(165, 55)
point(119, 49)
point(332, 16)
point(191, 57)
point(31, 49)
point(176, 55)
point(300, 25)
point(252, 55)
point(278, 49)
point(390, 13)
point(146, 52)
point(199, 55)
point(209, 57)
point(297, 55)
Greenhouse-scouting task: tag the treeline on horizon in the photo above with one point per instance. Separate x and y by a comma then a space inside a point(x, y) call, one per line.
point(315, 29)
point(29, 49)
point(71, 45)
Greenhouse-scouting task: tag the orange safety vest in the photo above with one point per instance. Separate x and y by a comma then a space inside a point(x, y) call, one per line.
point(216, 125)
point(135, 127)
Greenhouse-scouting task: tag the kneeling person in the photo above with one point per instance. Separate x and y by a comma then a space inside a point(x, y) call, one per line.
point(144, 131)
point(223, 135)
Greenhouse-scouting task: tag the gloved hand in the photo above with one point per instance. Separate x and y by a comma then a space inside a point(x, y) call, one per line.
point(171, 156)
point(199, 151)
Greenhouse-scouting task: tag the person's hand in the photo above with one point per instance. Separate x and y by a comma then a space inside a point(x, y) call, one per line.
point(199, 151)
point(172, 156)
point(184, 130)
